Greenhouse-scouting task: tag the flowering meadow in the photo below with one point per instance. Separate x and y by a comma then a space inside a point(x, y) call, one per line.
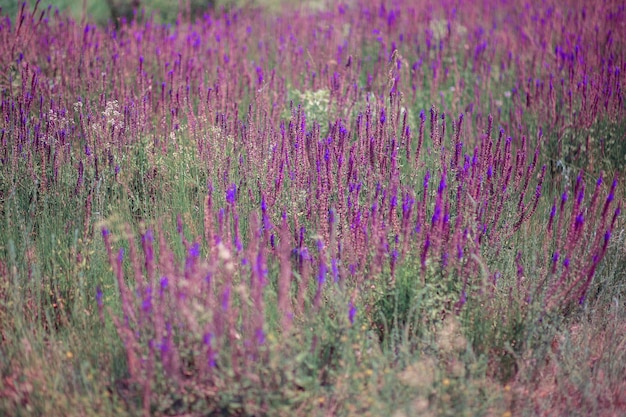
point(402, 208)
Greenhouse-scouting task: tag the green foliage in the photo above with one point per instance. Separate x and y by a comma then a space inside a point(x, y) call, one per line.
point(315, 105)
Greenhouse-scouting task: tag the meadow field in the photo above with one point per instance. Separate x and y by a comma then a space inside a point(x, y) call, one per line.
point(361, 208)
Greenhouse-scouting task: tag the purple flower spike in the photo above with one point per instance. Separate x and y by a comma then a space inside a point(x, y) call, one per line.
point(394, 201)
point(580, 219)
point(563, 200)
point(163, 283)
point(146, 304)
point(231, 194)
point(225, 299)
point(581, 195)
point(351, 312)
point(99, 296)
point(335, 269)
point(321, 277)
point(611, 197)
point(463, 299)
point(442, 184)
point(260, 336)
point(194, 250)
point(436, 214)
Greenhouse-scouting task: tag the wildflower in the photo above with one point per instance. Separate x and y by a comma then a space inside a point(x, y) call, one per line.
point(351, 312)
point(231, 194)
point(163, 284)
point(99, 296)
point(194, 251)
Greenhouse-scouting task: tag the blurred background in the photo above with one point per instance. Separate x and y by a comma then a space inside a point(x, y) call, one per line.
point(165, 11)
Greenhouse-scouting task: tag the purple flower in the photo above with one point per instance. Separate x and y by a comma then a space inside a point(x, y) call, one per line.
point(231, 194)
point(581, 195)
point(321, 276)
point(463, 298)
point(260, 336)
point(148, 236)
point(437, 213)
point(99, 296)
point(259, 73)
point(146, 304)
point(163, 283)
point(611, 197)
point(580, 219)
point(442, 184)
point(225, 299)
point(407, 205)
point(335, 270)
point(194, 250)
point(351, 312)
